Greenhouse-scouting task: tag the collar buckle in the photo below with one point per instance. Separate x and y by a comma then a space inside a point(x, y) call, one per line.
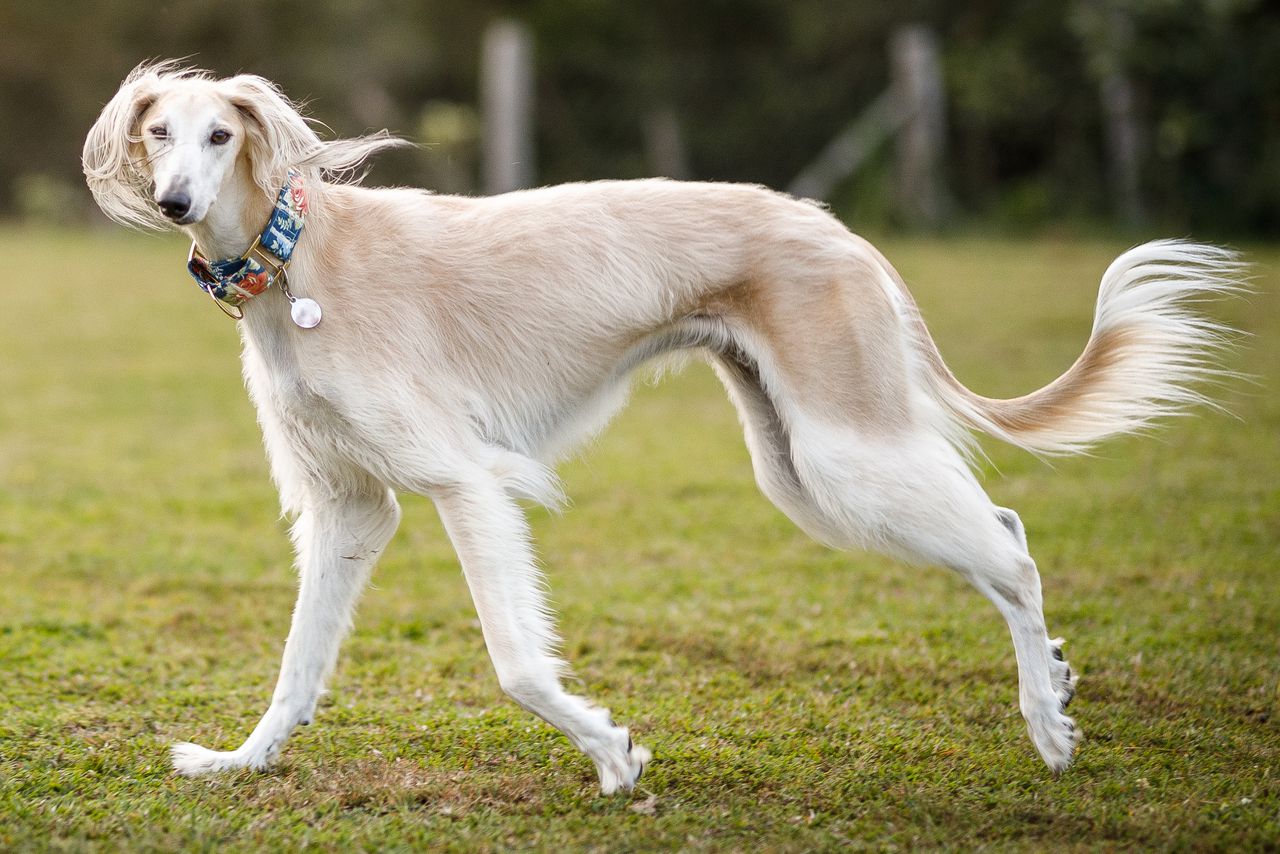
point(265, 257)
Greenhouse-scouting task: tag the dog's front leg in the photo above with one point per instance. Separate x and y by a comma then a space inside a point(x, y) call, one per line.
point(337, 543)
point(491, 536)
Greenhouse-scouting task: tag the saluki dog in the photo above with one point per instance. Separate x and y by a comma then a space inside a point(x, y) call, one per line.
point(468, 343)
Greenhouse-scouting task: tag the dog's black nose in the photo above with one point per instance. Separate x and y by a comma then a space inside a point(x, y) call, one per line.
point(175, 205)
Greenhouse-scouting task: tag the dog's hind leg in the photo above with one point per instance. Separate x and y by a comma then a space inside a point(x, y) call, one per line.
point(337, 540)
point(489, 531)
point(1008, 577)
point(916, 498)
point(769, 443)
point(889, 484)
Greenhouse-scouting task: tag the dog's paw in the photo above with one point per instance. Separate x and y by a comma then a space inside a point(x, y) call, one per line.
point(1064, 680)
point(192, 760)
point(620, 769)
point(1055, 736)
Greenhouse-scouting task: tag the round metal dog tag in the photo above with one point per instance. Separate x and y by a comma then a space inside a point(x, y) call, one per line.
point(305, 312)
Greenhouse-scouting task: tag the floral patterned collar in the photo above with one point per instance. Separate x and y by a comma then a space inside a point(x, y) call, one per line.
point(235, 281)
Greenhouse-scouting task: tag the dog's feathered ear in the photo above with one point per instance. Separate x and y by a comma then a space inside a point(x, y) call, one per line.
point(278, 136)
point(113, 160)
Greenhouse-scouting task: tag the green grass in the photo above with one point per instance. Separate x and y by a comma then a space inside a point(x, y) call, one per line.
point(794, 698)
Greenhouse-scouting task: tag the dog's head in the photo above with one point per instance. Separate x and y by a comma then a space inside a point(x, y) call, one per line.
point(174, 139)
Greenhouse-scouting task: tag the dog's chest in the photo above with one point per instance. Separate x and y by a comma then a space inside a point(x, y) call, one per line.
point(296, 397)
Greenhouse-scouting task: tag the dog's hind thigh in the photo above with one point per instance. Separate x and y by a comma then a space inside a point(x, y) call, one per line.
point(337, 540)
point(489, 531)
point(916, 498)
point(769, 443)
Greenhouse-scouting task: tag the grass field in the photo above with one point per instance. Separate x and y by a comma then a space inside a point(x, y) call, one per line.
point(794, 698)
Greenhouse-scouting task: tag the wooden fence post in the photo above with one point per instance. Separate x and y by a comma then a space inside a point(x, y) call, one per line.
point(506, 93)
point(916, 75)
point(1120, 110)
point(913, 113)
point(664, 144)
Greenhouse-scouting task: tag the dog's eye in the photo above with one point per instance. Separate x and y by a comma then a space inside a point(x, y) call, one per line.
point(219, 137)
point(159, 131)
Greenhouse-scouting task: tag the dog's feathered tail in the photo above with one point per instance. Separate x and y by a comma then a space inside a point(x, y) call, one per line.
point(1148, 351)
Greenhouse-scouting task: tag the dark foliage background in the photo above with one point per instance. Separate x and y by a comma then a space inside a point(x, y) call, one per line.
point(758, 86)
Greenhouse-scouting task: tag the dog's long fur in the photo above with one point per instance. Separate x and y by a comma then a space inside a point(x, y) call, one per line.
point(468, 343)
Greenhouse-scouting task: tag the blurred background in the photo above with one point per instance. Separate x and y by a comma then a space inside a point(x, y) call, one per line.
point(1011, 115)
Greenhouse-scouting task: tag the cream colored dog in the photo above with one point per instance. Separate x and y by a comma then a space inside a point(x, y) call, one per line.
point(469, 342)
